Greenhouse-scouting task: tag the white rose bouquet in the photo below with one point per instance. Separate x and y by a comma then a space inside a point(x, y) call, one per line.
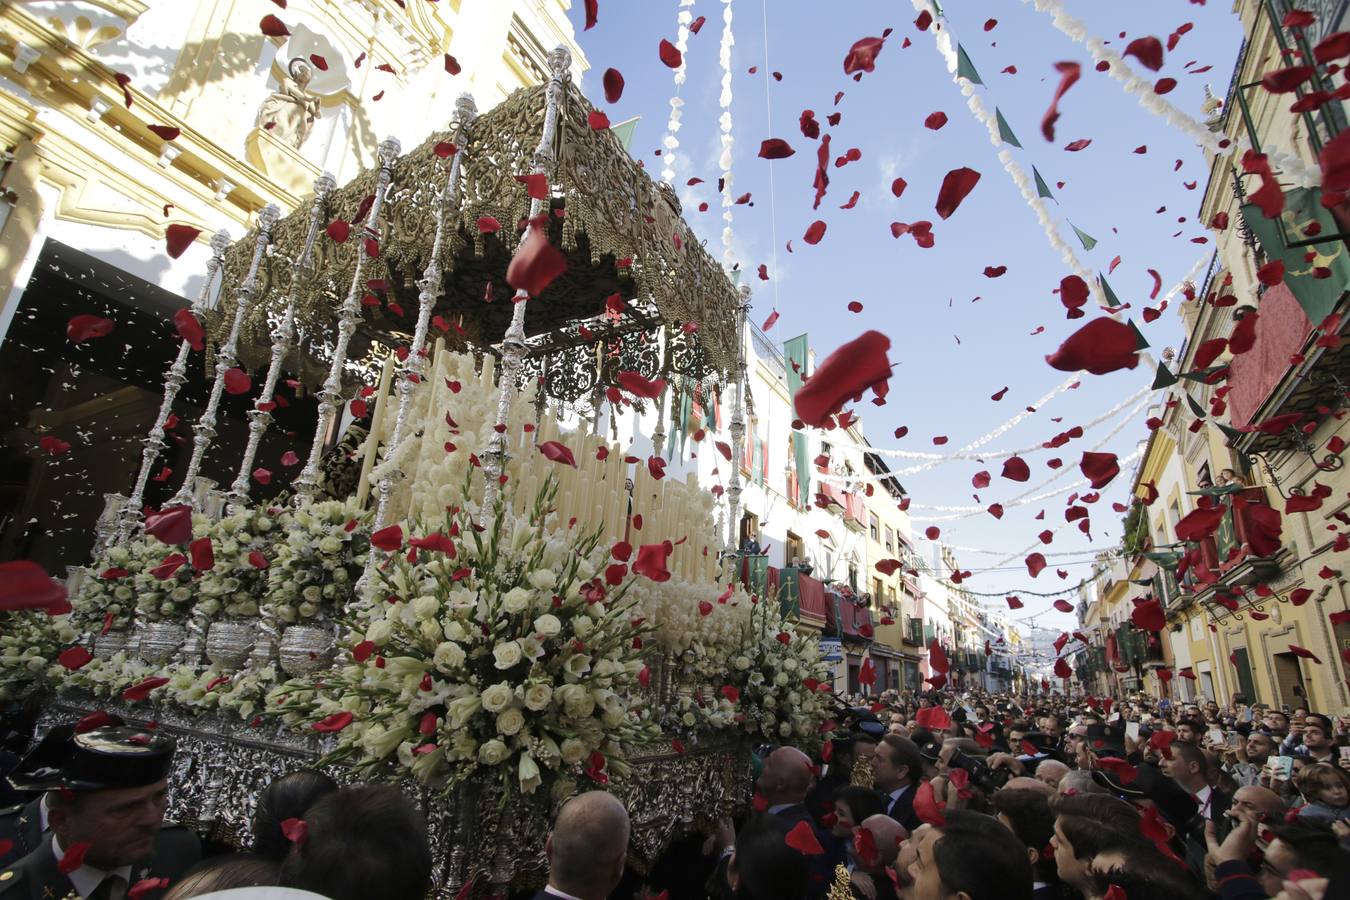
point(30, 642)
point(493, 651)
point(242, 545)
point(320, 553)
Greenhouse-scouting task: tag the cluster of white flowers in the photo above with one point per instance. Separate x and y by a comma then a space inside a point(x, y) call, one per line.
point(779, 677)
point(29, 644)
point(319, 559)
point(693, 616)
point(235, 585)
point(143, 575)
point(507, 657)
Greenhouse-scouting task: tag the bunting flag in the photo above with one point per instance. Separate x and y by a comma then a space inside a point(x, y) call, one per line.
point(797, 351)
point(966, 69)
point(1164, 378)
point(1139, 341)
point(1005, 131)
point(1087, 240)
point(1196, 409)
point(1110, 295)
point(1041, 187)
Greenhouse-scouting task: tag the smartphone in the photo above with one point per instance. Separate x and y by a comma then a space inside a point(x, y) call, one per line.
point(1246, 715)
point(1132, 732)
point(1216, 736)
point(1345, 753)
point(1233, 739)
point(1281, 768)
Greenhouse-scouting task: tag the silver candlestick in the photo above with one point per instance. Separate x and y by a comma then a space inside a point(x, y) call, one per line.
point(173, 382)
point(513, 342)
point(260, 417)
point(330, 396)
point(205, 431)
point(737, 422)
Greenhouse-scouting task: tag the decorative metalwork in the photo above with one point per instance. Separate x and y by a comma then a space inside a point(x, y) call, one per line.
point(688, 358)
point(205, 431)
point(570, 375)
point(513, 343)
point(737, 427)
point(173, 382)
point(160, 640)
point(305, 649)
point(330, 397)
point(260, 417)
point(228, 643)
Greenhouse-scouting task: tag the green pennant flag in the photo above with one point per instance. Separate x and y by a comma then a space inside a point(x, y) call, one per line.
point(1005, 130)
point(1111, 298)
point(965, 68)
point(1196, 409)
point(1164, 378)
point(1201, 377)
point(1087, 240)
point(796, 350)
point(1139, 341)
point(1041, 187)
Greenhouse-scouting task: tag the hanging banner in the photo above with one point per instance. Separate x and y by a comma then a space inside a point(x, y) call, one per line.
point(796, 351)
point(1303, 207)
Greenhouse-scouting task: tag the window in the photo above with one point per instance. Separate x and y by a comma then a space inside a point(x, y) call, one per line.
point(878, 591)
point(890, 540)
point(873, 526)
point(794, 549)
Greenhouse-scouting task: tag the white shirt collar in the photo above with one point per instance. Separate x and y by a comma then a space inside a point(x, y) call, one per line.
point(777, 808)
point(86, 878)
point(895, 794)
point(42, 813)
point(554, 892)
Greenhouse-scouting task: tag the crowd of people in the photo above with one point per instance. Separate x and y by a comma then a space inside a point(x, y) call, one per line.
point(928, 797)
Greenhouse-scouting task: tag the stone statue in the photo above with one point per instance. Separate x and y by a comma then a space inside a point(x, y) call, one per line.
point(289, 113)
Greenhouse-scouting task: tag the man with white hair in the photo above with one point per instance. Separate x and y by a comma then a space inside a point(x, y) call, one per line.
point(1051, 772)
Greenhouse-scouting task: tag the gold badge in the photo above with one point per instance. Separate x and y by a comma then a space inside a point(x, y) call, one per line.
point(6, 876)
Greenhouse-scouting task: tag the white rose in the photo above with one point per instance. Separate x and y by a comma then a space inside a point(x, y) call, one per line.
point(493, 753)
point(547, 626)
point(506, 655)
point(510, 721)
point(583, 626)
point(425, 607)
point(542, 579)
point(378, 633)
point(496, 697)
point(571, 751)
point(449, 655)
point(741, 662)
point(330, 545)
point(538, 696)
point(516, 600)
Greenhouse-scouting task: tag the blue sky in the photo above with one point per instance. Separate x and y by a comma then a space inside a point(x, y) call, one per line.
point(951, 351)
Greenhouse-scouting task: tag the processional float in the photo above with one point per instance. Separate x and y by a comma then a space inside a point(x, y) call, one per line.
point(331, 628)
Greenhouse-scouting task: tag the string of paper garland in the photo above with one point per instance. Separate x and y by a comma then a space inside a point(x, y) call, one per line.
point(671, 142)
point(1025, 186)
point(1292, 168)
point(724, 161)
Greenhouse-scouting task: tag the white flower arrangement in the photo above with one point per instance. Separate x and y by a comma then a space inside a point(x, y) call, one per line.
point(236, 584)
point(319, 559)
point(504, 656)
point(30, 641)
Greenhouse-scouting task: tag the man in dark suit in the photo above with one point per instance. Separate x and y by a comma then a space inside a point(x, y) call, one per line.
point(896, 770)
point(587, 848)
point(784, 784)
point(106, 794)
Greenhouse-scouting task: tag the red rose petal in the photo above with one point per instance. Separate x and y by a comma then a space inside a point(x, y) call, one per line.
point(957, 184)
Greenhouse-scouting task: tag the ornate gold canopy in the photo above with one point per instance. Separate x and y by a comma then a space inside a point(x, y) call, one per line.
point(621, 232)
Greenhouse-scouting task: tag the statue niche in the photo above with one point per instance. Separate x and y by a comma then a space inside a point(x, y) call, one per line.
point(289, 113)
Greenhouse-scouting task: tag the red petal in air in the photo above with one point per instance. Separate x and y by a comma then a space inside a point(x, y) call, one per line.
point(957, 184)
point(847, 372)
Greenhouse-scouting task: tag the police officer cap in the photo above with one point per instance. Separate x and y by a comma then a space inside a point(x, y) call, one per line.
point(116, 756)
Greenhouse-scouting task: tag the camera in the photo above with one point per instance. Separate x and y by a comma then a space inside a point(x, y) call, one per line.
point(981, 776)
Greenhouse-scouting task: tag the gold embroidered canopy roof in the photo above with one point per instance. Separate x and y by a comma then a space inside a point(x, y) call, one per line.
point(621, 232)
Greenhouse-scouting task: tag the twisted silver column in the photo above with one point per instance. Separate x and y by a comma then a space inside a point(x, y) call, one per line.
point(737, 422)
point(130, 515)
point(330, 396)
point(260, 417)
point(513, 343)
point(205, 430)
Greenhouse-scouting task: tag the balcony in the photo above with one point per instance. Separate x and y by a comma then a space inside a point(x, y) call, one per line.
point(847, 619)
point(913, 632)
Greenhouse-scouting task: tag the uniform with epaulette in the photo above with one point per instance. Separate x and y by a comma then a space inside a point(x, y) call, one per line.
point(108, 759)
point(21, 829)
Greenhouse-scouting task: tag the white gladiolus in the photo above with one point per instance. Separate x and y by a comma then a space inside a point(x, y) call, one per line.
point(542, 580)
point(528, 774)
point(425, 607)
point(460, 709)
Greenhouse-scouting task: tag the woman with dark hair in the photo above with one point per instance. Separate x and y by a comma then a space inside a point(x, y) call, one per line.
point(289, 797)
point(852, 806)
point(1027, 814)
point(238, 870)
point(763, 866)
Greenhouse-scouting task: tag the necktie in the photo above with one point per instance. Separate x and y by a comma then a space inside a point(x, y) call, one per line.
point(112, 887)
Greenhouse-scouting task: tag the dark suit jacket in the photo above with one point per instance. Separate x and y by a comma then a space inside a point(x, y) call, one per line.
point(820, 867)
point(22, 825)
point(902, 810)
point(36, 876)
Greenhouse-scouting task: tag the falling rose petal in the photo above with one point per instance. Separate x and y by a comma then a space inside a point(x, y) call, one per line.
point(1287, 80)
point(73, 858)
point(177, 238)
point(670, 54)
point(597, 120)
point(802, 838)
point(1099, 468)
point(53, 446)
point(26, 585)
point(847, 372)
point(557, 453)
point(338, 231)
point(445, 149)
point(319, 62)
point(651, 561)
point(1149, 616)
point(937, 657)
point(171, 525)
point(854, 306)
point(935, 120)
point(1148, 50)
point(271, 26)
point(237, 381)
point(613, 82)
point(1070, 72)
point(1073, 292)
point(636, 384)
point(775, 148)
point(770, 321)
point(995, 271)
point(165, 132)
point(1101, 346)
point(139, 692)
point(1165, 86)
point(189, 329)
point(815, 232)
point(537, 262)
point(1080, 144)
point(334, 723)
point(898, 186)
point(488, 225)
point(451, 65)
point(1015, 468)
point(592, 13)
point(957, 184)
point(388, 539)
point(862, 56)
point(86, 327)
